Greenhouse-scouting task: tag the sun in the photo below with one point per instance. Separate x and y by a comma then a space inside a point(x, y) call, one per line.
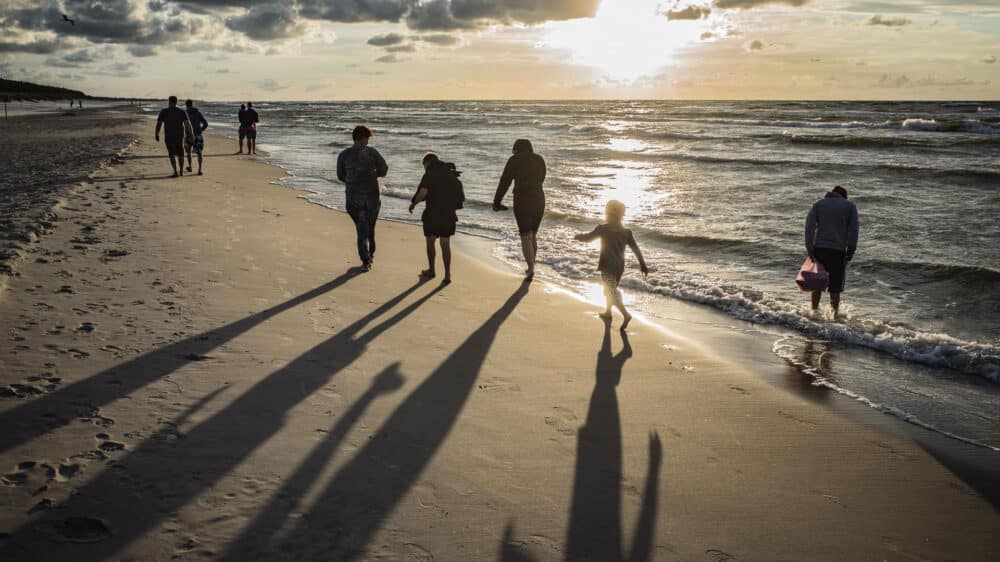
point(625, 40)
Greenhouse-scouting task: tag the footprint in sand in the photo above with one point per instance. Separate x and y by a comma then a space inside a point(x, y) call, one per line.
point(739, 390)
point(719, 556)
point(562, 420)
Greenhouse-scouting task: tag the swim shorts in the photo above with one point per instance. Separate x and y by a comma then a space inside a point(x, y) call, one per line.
point(197, 145)
point(529, 215)
point(175, 147)
point(835, 263)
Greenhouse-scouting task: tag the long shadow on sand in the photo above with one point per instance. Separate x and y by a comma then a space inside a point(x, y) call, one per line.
point(149, 484)
point(595, 531)
point(365, 491)
point(60, 407)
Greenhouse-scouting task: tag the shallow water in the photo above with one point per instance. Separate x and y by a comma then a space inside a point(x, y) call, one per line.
point(717, 194)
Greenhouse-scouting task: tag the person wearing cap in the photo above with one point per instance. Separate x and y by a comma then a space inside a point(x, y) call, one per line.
point(832, 228)
point(526, 170)
point(360, 167)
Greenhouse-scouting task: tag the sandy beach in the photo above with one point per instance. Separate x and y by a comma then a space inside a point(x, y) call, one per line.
point(196, 369)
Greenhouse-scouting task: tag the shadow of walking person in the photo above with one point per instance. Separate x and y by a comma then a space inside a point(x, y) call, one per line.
point(363, 493)
point(595, 531)
point(159, 485)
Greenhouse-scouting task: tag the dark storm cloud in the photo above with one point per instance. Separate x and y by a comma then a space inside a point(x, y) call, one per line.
point(689, 13)
point(888, 22)
point(386, 40)
point(267, 22)
point(747, 4)
point(350, 11)
point(41, 47)
point(435, 15)
point(100, 21)
point(142, 50)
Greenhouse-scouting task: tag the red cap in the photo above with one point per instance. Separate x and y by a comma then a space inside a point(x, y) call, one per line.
point(841, 191)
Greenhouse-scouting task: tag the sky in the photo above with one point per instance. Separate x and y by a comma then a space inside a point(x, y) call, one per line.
point(507, 49)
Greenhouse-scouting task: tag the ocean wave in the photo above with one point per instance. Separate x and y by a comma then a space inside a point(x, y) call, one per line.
point(784, 349)
point(973, 126)
point(958, 274)
point(421, 134)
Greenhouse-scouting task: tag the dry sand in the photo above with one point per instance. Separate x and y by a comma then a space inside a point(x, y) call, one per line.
point(209, 376)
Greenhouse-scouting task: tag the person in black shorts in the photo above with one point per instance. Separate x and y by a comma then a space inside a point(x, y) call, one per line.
point(526, 170)
point(250, 120)
point(832, 228)
point(176, 127)
point(442, 192)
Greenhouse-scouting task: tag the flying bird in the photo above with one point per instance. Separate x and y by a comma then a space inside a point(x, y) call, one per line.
point(71, 22)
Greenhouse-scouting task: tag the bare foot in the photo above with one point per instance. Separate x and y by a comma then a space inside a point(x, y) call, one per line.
point(628, 318)
point(427, 274)
point(605, 315)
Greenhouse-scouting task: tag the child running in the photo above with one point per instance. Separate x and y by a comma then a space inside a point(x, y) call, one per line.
point(614, 237)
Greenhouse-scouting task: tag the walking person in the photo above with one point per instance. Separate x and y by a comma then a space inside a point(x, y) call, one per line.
point(242, 130)
point(360, 167)
point(832, 228)
point(197, 142)
point(526, 170)
point(442, 192)
point(251, 118)
point(614, 239)
point(176, 127)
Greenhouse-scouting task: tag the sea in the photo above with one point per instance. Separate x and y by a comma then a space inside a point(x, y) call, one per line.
point(716, 194)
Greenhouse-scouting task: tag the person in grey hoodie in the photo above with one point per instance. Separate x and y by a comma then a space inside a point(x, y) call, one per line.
point(831, 239)
point(360, 167)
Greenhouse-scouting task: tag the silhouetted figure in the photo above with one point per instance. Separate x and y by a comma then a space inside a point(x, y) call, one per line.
point(442, 191)
point(176, 127)
point(197, 142)
point(831, 239)
point(242, 131)
point(360, 167)
point(66, 18)
point(614, 239)
point(526, 170)
point(250, 120)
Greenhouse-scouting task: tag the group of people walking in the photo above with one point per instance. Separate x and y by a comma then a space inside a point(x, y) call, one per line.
point(831, 234)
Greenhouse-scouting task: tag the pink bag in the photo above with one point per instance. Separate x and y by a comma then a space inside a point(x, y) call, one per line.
point(812, 276)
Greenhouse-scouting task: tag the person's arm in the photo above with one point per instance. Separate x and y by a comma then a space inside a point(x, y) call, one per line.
point(341, 168)
point(204, 124)
point(811, 223)
point(544, 170)
point(381, 168)
point(589, 236)
point(638, 253)
point(187, 127)
point(419, 196)
point(506, 178)
point(854, 226)
point(159, 123)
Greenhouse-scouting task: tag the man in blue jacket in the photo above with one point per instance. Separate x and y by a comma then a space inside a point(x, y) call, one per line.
point(831, 239)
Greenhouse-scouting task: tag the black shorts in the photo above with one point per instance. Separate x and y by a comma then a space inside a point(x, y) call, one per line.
point(248, 132)
point(529, 215)
point(835, 263)
point(441, 226)
point(175, 147)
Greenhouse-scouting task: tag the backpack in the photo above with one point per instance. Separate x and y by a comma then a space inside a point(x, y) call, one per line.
point(460, 196)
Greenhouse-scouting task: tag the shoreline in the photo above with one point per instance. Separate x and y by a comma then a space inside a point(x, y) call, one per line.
point(462, 422)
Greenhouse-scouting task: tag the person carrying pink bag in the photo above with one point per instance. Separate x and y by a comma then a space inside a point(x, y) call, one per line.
point(832, 228)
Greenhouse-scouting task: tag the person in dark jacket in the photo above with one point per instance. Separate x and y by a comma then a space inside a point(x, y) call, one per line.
point(360, 167)
point(176, 127)
point(526, 170)
point(441, 190)
point(197, 142)
point(831, 239)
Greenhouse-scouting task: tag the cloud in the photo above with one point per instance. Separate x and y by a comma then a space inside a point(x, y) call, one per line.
point(141, 50)
point(79, 57)
point(269, 85)
point(747, 4)
point(268, 22)
point(689, 13)
point(39, 47)
point(386, 40)
point(442, 39)
point(449, 15)
point(389, 59)
point(408, 48)
point(989, 60)
point(119, 70)
point(888, 22)
point(222, 71)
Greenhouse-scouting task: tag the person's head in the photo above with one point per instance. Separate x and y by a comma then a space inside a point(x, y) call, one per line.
point(614, 211)
point(361, 134)
point(172, 101)
point(429, 159)
point(840, 191)
point(522, 145)
point(249, 104)
point(243, 106)
point(189, 103)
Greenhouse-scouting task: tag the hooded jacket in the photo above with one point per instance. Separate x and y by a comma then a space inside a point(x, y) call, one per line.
point(832, 223)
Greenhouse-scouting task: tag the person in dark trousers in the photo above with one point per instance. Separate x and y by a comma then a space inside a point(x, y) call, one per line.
point(614, 239)
point(242, 128)
point(526, 170)
point(442, 192)
point(196, 143)
point(360, 167)
point(832, 228)
point(251, 119)
point(176, 127)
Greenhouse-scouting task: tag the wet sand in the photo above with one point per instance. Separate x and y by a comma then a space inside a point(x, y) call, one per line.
point(208, 375)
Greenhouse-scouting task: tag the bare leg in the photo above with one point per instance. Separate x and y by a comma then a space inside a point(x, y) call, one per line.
point(173, 163)
point(608, 301)
point(199, 164)
point(835, 303)
point(241, 146)
point(189, 158)
point(431, 254)
point(620, 304)
point(528, 249)
point(816, 296)
point(446, 256)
